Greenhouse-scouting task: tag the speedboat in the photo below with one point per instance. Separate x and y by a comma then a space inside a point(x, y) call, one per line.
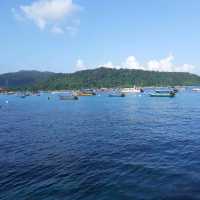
point(163, 93)
point(132, 90)
point(196, 89)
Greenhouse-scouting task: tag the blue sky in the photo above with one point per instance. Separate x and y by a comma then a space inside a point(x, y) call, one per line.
point(66, 35)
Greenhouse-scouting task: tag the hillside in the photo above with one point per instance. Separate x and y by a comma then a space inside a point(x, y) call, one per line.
point(23, 78)
point(105, 77)
point(95, 78)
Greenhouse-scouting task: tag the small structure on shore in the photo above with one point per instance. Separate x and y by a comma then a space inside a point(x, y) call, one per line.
point(4, 90)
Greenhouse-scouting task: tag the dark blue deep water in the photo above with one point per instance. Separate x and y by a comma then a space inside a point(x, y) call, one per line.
point(100, 148)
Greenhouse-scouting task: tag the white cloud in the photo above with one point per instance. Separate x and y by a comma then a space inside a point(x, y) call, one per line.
point(131, 63)
point(163, 65)
point(52, 14)
point(80, 65)
point(167, 65)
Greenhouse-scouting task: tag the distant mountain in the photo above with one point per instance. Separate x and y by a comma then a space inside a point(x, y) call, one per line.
point(105, 77)
point(23, 78)
point(95, 78)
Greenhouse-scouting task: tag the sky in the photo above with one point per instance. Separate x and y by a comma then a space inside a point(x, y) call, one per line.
point(70, 35)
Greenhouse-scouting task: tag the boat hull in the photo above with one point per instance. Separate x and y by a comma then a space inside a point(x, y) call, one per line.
point(162, 95)
point(117, 95)
point(86, 94)
point(68, 97)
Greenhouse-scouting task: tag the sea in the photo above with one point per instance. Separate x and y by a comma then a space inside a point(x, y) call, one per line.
point(100, 148)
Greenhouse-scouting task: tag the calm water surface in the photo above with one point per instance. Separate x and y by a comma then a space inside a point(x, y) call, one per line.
point(100, 148)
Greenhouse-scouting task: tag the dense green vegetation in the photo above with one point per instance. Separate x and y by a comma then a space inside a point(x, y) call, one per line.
point(104, 77)
point(96, 78)
point(23, 79)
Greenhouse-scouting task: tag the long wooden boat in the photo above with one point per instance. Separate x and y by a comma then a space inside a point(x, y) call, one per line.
point(69, 97)
point(86, 92)
point(117, 95)
point(171, 94)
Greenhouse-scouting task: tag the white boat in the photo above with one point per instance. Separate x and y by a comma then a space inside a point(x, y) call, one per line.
point(196, 89)
point(132, 90)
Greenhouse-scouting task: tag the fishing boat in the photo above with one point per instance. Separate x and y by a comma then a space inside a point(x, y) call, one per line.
point(117, 95)
point(23, 96)
point(196, 89)
point(163, 93)
point(132, 90)
point(68, 97)
point(175, 89)
point(86, 92)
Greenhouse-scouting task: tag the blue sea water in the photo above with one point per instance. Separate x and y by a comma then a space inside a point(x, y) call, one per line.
point(100, 148)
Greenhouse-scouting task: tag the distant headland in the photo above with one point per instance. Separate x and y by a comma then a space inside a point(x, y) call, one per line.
point(94, 78)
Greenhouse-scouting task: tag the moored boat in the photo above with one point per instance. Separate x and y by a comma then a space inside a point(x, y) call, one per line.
point(24, 95)
point(86, 92)
point(68, 97)
point(132, 90)
point(163, 93)
point(117, 95)
point(175, 89)
point(196, 89)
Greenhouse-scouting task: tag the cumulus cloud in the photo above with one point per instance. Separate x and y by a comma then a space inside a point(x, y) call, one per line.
point(163, 65)
point(132, 63)
point(80, 65)
point(52, 14)
point(167, 65)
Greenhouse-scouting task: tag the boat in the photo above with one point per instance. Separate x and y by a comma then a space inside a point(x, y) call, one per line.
point(175, 89)
point(132, 90)
point(196, 89)
point(10, 93)
point(163, 93)
point(86, 92)
point(117, 95)
point(23, 96)
point(68, 97)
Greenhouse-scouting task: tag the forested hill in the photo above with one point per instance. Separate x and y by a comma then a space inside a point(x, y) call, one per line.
point(23, 78)
point(96, 78)
point(105, 77)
